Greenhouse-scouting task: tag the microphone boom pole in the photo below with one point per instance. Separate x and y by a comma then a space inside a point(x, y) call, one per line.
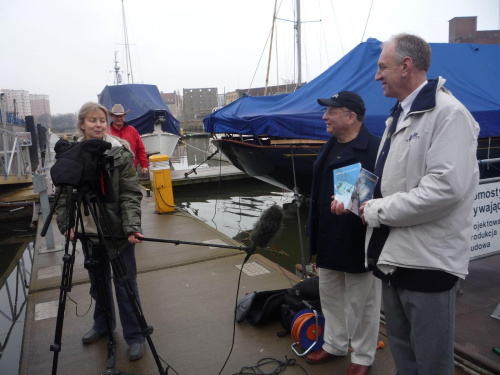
point(179, 242)
point(263, 232)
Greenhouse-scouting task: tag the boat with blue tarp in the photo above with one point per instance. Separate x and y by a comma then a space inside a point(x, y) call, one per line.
point(149, 115)
point(276, 138)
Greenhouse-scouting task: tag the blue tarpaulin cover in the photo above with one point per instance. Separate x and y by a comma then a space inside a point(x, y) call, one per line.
point(145, 104)
point(471, 73)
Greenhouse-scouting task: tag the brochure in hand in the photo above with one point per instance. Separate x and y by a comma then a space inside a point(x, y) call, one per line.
point(353, 186)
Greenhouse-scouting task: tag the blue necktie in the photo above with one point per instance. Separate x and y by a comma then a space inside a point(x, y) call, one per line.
point(379, 166)
point(380, 234)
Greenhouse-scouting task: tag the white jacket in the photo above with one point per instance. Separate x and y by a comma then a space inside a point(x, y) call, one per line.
point(428, 185)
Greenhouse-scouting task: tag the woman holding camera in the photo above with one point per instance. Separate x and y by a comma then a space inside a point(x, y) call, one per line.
point(124, 218)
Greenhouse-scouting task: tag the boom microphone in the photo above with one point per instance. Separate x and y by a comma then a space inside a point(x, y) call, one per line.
point(265, 228)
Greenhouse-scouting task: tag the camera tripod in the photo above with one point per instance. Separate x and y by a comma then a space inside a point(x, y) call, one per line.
point(96, 254)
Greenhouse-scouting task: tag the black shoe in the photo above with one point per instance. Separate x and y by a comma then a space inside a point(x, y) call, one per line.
point(135, 351)
point(92, 336)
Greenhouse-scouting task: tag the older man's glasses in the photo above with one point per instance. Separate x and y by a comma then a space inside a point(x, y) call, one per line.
point(331, 112)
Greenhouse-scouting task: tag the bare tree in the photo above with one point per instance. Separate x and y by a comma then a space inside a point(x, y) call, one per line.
point(64, 122)
point(44, 120)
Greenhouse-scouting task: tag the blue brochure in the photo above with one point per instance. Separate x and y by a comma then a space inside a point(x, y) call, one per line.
point(353, 186)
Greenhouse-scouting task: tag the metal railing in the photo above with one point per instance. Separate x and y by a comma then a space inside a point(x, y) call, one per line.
point(14, 159)
point(489, 162)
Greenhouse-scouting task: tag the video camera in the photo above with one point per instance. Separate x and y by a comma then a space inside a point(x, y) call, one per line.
point(84, 164)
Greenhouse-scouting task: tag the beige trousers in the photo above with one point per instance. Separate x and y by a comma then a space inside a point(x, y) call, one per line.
point(350, 303)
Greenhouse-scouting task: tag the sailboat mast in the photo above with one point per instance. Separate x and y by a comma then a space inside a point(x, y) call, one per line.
point(270, 48)
point(299, 46)
point(130, 74)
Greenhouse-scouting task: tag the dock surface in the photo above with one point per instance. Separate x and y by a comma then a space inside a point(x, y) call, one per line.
point(188, 294)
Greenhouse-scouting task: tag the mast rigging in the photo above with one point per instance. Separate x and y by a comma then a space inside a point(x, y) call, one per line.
point(130, 73)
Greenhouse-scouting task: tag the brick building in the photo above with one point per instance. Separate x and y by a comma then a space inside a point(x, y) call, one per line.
point(260, 91)
point(464, 30)
point(198, 103)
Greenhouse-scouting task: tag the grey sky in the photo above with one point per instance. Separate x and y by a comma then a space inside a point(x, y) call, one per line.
point(65, 48)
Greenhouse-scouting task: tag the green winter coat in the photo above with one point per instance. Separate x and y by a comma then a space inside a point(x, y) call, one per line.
point(123, 215)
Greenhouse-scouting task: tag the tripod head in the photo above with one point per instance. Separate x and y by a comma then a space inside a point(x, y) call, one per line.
point(78, 163)
point(83, 166)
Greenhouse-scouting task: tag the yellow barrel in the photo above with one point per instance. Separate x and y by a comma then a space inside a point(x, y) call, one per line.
point(161, 183)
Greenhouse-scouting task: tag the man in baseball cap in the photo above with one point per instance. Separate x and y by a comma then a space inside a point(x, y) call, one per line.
point(337, 238)
point(347, 99)
point(120, 128)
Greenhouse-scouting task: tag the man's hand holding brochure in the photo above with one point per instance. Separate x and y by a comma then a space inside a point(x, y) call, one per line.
point(353, 186)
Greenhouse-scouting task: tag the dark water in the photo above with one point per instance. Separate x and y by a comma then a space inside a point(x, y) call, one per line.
point(16, 255)
point(233, 207)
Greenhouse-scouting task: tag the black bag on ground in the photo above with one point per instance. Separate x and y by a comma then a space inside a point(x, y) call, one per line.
point(306, 290)
point(264, 307)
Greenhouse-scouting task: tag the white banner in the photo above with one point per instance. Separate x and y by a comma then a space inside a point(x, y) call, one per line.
point(485, 238)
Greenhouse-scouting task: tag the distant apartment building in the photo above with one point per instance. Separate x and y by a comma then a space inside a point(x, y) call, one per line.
point(464, 30)
point(18, 103)
point(260, 91)
point(40, 109)
point(198, 103)
point(173, 102)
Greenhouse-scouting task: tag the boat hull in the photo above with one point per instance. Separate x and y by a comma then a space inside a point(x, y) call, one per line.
point(275, 163)
point(160, 143)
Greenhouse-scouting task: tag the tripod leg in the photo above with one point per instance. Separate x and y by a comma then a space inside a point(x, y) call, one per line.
point(131, 329)
point(121, 275)
point(65, 287)
point(99, 275)
point(100, 290)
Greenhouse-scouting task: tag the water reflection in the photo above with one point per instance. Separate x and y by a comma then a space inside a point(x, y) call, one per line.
point(16, 260)
point(196, 151)
point(233, 207)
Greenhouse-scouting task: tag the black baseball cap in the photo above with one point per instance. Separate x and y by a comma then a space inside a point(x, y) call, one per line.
point(347, 99)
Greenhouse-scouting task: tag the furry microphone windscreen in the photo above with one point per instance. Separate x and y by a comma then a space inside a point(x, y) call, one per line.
point(267, 226)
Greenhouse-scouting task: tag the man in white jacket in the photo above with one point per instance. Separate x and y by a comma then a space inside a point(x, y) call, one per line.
point(420, 220)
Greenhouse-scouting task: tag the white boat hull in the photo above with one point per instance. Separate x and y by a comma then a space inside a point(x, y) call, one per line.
point(160, 143)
